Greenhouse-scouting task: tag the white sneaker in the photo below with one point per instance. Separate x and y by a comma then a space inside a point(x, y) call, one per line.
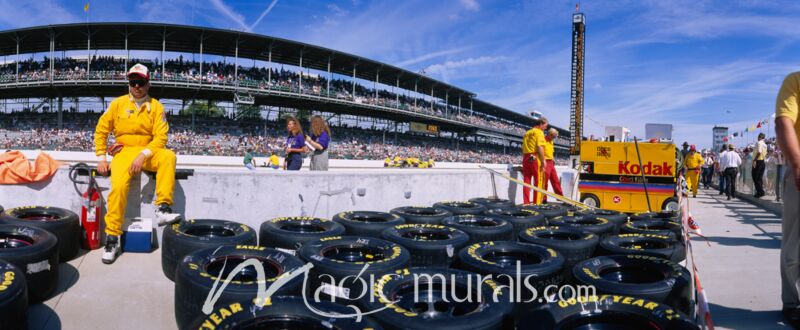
point(166, 217)
point(112, 250)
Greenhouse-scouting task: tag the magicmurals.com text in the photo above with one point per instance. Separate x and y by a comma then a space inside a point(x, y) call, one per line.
point(518, 288)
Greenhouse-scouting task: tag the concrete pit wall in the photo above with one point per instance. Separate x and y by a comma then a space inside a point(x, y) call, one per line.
point(253, 197)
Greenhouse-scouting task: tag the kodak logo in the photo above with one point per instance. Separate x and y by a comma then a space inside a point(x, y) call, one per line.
point(649, 168)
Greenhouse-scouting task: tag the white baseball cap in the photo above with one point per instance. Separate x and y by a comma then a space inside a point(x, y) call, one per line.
point(139, 70)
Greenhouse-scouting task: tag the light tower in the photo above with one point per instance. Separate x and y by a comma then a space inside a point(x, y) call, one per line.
point(576, 101)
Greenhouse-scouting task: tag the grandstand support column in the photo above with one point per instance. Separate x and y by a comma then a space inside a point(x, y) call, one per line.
point(431, 98)
point(89, 54)
point(236, 64)
point(415, 93)
point(395, 133)
point(446, 103)
point(375, 85)
point(328, 88)
point(396, 94)
point(16, 61)
point(300, 81)
point(127, 51)
point(163, 50)
point(471, 112)
point(459, 104)
point(60, 110)
point(52, 53)
point(354, 80)
point(269, 70)
point(201, 67)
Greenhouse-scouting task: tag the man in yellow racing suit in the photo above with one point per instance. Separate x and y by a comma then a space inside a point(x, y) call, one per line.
point(140, 128)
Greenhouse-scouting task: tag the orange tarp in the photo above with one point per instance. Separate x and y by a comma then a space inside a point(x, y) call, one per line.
point(16, 169)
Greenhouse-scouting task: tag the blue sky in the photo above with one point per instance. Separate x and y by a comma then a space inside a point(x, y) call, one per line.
point(690, 63)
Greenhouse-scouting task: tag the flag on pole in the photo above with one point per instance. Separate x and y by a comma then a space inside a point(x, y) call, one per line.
point(752, 128)
point(759, 125)
point(86, 7)
point(735, 134)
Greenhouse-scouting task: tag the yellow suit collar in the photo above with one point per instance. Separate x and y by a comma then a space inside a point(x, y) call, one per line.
point(146, 102)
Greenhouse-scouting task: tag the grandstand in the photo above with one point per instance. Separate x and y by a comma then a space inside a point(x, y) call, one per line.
point(226, 91)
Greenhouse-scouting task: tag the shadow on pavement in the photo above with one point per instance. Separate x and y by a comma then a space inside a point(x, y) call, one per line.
point(42, 317)
point(741, 241)
point(747, 214)
point(736, 318)
point(68, 275)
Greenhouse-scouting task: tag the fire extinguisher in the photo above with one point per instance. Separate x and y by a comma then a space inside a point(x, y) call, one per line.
point(91, 206)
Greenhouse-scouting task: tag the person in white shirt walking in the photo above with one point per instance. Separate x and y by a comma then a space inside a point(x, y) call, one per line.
point(729, 162)
point(708, 169)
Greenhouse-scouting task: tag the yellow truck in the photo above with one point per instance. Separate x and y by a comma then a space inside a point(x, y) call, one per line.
point(611, 178)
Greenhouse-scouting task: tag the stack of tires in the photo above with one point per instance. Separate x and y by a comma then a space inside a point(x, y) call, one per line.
point(33, 240)
point(406, 266)
point(234, 265)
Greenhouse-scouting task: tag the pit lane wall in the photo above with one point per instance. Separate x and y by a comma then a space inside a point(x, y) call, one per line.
point(221, 188)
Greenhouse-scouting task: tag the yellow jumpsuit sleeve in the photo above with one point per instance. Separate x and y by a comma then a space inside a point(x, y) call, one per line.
point(160, 128)
point(103, 128)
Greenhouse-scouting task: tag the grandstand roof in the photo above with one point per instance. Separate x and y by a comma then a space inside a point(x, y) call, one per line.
point(186, 39)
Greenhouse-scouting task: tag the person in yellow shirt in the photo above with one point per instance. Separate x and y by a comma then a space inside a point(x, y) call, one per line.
point(787, 131)
point(551, 176)
point(140, 128)
point(423, 164)
point(274, 161)
point(533, 160)
point(693, 163)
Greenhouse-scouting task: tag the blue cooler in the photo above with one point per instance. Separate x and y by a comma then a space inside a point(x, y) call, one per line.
point(138, 237)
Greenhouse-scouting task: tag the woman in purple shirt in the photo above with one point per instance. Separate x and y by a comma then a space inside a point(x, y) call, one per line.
point(319, 140)
point(295, 145)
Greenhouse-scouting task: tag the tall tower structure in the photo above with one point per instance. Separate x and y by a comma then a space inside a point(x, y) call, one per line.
point(576, 102)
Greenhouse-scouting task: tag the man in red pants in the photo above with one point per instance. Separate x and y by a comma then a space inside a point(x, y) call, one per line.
point(533, 161)
point(550, 174)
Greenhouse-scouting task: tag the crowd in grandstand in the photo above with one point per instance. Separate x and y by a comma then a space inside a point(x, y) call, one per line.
point(228, 137)
point(222, 73)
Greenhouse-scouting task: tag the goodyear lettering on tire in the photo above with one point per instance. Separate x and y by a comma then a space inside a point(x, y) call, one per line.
point(216, 317)
point(7, 280)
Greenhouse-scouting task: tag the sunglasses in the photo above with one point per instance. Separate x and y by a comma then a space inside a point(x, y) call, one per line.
point(137, 83)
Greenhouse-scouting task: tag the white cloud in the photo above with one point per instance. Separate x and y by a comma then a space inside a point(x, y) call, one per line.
point(473, 61)
point(430, 56)
point(226, 11)
point(263, 14)
point(337, 11)
point(471, 5)
point(35, 13)
point(681, 21)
